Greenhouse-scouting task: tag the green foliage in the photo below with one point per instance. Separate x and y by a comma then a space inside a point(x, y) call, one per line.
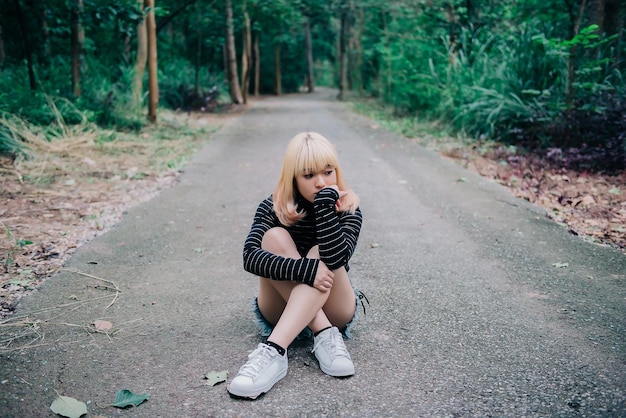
point(493, 87)
point(15, 244)
point(505, 70)
point(178, 90)
point(510, 72)
point(107, 99)
point(9, 145)
point(103, 102)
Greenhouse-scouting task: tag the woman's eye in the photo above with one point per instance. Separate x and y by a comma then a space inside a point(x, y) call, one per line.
point(308, 176)
point(328, 172)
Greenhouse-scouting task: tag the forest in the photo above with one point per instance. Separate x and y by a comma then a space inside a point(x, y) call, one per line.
point(543, 75)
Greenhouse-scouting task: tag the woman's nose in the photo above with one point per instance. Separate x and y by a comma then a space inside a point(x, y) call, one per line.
point(319, 181)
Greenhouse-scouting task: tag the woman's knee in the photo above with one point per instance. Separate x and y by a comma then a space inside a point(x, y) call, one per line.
point(278, 241)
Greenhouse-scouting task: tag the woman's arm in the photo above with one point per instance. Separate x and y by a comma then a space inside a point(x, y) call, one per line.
point(265, 264)
point(337, 232)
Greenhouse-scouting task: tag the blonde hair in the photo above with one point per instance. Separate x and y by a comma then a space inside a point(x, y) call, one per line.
point(307, 151)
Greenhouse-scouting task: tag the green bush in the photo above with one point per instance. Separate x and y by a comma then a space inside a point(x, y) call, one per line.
point(178, 90)
point(9, 145)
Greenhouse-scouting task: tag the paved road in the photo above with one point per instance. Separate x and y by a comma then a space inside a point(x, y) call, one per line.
point(468, 315)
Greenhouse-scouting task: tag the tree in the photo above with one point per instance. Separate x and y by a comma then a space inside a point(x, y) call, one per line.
point(610, 23)
point(2, 53)
point(43, 34)
point(78, 44)
point(310, 79)
point(257, 62)
point(142, 55)
point(27, 49)
point(278, 89)
point(576, 16)
point(343, 49)
point(153, 83)
point(246, 55)
point(231, 54)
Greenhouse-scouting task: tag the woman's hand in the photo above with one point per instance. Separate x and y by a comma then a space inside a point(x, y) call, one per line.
point(323, 278)
point(341, 194)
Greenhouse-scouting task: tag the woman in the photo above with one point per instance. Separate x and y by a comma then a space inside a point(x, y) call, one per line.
point(299, 245)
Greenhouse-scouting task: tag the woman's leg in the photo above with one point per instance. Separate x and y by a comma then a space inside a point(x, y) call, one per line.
point(292, 306)
point(340, 306)
point(289, 305)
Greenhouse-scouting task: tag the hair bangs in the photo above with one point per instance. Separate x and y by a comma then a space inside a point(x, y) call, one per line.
point(314, 156)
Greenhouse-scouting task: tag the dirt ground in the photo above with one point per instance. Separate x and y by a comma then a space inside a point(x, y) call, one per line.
point(77, 188)
point(591, 205)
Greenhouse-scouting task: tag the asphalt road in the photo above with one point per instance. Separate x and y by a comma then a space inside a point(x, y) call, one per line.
point(472, 311)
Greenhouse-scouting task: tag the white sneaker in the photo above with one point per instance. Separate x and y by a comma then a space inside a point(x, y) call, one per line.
point(263, 369)
point(332, 354)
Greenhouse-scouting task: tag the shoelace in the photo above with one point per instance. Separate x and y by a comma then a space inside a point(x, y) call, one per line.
point(257, 360)
point(362, 296)
point(335, 345)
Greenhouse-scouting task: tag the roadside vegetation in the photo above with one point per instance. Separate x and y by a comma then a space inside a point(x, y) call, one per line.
point(114, 95)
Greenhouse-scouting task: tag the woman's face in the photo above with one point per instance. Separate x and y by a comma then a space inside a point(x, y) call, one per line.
point(309, 182)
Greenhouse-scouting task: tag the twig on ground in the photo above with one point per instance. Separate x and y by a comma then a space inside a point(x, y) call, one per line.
point(9, 321)
point(116, 288)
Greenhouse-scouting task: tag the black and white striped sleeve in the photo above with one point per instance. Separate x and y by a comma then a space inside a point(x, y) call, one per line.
point(337, 233)
point(265, 264)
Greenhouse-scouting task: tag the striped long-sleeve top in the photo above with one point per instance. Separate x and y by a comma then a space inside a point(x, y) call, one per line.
point(336, 233)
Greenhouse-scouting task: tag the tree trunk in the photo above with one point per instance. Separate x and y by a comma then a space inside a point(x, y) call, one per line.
point(141, 58)
point(610, 22)
point(225, 63)
point(153, 83)
point(351, 47)
point(257, 64)
point(310, 81)
point(27, 50)
point(277, 76)
point(198, 51)
point(45, 31)
point(613, 16)
point(43, 35)
point(78, 43)
point(343, 56)
point(452, 19)
point(358, 40)
point(2, 53)
point(246, 56)
point(386, 72)
point(575, 22)
point(233, 75)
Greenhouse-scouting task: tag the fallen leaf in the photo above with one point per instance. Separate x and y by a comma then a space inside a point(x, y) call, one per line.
point(588, 200)
point(125, 397)
point(214, 377)
point(102, 325)
point(68, 407)
point(199, 250)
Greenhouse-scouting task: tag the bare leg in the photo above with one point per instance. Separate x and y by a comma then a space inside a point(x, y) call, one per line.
point(292, 306)
point(340, 305)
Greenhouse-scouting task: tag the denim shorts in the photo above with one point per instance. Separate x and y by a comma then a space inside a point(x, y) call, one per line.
point(265, 327)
